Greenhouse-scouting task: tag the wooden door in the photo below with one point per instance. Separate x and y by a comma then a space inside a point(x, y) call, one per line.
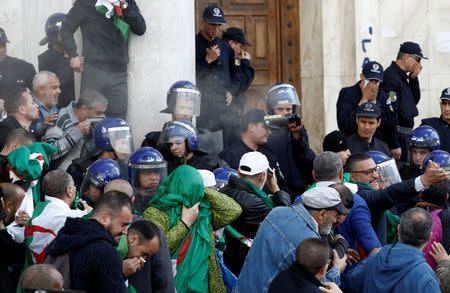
point(272, 28)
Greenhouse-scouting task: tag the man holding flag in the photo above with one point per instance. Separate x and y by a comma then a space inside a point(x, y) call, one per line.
point(105, 26)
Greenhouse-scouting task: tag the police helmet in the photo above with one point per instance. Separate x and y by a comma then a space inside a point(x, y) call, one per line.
point(147, 160)
point(177, 131)
point(113, 134)
point(52, 27)
point(425, 137)
point(223, 174)
point(186, 90)
point(378, 157)
point(440, 157)
point(280, 94)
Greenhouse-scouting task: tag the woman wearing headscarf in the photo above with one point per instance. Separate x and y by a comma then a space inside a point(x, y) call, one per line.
point(190, 235)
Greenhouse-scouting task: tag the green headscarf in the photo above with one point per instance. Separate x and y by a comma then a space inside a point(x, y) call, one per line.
point(185, 187)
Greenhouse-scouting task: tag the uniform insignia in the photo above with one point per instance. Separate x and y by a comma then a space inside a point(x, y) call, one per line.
point(393, 96)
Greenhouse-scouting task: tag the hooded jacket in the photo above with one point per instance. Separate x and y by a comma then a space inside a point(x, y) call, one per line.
point(396, 268)
point(95, 264)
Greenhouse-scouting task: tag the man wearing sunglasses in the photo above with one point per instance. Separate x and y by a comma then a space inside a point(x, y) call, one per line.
point(401, 83)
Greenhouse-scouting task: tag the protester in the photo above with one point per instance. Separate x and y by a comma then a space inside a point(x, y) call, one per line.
point(307, 272)
point(399, 267)
point(95, 264)
point(188, 213)
point(72, 130)
point(256, 204)
point(42, 276)
point(273, 248)
point(442, 259)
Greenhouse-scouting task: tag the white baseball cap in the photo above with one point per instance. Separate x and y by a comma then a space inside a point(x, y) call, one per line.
point(253, 163)
point(209, 180)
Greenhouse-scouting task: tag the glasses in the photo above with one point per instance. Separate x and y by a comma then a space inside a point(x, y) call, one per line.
point(368, 172)
point(417, 59)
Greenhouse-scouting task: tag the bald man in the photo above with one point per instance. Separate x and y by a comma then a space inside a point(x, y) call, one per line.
point(42, 276)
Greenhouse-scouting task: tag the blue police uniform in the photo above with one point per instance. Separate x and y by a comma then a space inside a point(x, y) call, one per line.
point(358, 145)
point(232, 155)
point(295, 158)
point(442, 128)
point(347, 106)
point(408, 96)
point(214, 80)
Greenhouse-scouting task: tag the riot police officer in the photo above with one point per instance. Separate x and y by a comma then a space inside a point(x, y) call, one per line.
point(146, 170)
point(55, 60)
point(179, 139)
point(442, 123)
point(15, 73)
point(100, 173)
point(290, 142)
point(423, 140)
point(112, 138)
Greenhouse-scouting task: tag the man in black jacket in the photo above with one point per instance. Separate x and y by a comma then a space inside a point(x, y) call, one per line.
point(95, 264)
point(105, 49)
point(255, 204)
point(22, 110)
point(401, 80)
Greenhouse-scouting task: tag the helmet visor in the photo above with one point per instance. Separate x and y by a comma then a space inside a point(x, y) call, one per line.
point(91, 188)
point(173, 133)
point(388, 173)
point(282, 95)
point(147, 178)
point(186, 103)
point(121, 140)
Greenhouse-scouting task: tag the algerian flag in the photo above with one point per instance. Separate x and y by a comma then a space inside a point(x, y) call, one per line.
point(112, 8)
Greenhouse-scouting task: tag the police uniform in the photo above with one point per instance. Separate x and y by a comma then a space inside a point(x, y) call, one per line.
point(407, 91)
point(347, 106)
point(104, 49)
point(442, 128)
point(215, 79)
point(54, 61)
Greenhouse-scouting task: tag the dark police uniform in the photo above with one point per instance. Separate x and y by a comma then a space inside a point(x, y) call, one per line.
point(105, 52)
point(214, 80)
point(232, 155)
point(295, 158)
point(358, 145)
point(408, 96)
point(54, 61)
point(347, 106)
point(442, 128)
point(14, 74)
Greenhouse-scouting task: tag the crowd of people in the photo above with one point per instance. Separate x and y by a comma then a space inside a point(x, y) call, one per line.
point(221, 199)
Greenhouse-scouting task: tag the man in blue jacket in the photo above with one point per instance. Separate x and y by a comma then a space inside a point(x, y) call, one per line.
point(363, 172)
point(400, 267)
point(442, 123)
point(401, 80)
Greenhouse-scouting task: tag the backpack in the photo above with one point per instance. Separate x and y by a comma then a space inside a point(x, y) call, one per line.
point(435, 236)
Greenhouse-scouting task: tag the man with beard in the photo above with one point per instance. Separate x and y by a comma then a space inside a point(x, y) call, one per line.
point(95, 264)
point(273, 249)
point(22, 110)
